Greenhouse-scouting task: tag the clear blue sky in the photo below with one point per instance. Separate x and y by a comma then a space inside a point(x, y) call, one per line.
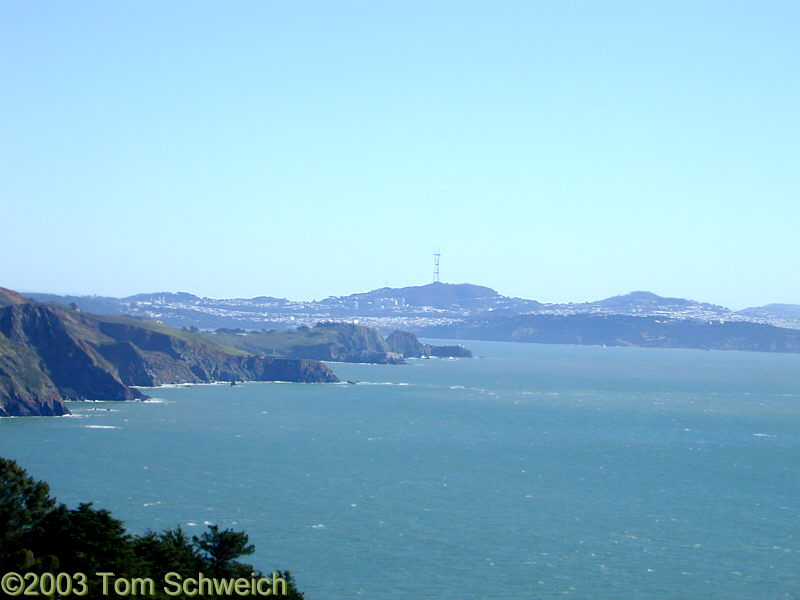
point(553, 150)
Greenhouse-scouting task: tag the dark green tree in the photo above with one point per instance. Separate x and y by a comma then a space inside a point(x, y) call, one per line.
point(84, 539)
point(24, 503)
point(292, 593)
point(222, 548)
point(169, 550)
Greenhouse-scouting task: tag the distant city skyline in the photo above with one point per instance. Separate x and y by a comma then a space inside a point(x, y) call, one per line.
point(374, 288)
point(553, 151)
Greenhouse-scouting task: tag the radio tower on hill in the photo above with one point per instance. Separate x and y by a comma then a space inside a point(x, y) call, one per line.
point(436, 256)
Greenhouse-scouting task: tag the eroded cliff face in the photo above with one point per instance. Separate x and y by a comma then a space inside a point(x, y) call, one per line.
point(47, 364)
point(49, 354)
point(24, 389)
point(406, 343)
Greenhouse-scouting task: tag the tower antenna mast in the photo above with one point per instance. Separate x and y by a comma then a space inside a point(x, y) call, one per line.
point(436, 256)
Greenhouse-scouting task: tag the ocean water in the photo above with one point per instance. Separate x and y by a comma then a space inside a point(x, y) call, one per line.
point(533, 471)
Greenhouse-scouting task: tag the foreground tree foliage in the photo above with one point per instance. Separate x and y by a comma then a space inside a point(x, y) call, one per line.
point(39, 535)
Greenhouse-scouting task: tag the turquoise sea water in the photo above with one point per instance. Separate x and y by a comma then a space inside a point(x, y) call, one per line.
point(534, 471)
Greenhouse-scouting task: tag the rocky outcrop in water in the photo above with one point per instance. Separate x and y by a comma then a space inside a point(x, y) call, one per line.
point(407, 344)
point(458, 351)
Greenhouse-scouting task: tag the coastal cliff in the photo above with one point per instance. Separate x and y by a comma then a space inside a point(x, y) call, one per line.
point(50, 353)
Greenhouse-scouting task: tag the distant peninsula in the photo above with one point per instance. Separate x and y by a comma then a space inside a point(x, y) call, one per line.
point(334, 341)
point(51, 353)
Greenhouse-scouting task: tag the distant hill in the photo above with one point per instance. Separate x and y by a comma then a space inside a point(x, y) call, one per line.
point(644, 301)
point(774, 311)
point(51, 353)
point(163, 297)
point(437, 295)
point(100, 305)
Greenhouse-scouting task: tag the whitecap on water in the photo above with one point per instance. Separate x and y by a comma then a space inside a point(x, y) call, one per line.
point(100, 427)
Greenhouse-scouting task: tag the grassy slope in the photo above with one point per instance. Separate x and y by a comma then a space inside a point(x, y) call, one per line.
point(275, 342)
point(83, 326)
